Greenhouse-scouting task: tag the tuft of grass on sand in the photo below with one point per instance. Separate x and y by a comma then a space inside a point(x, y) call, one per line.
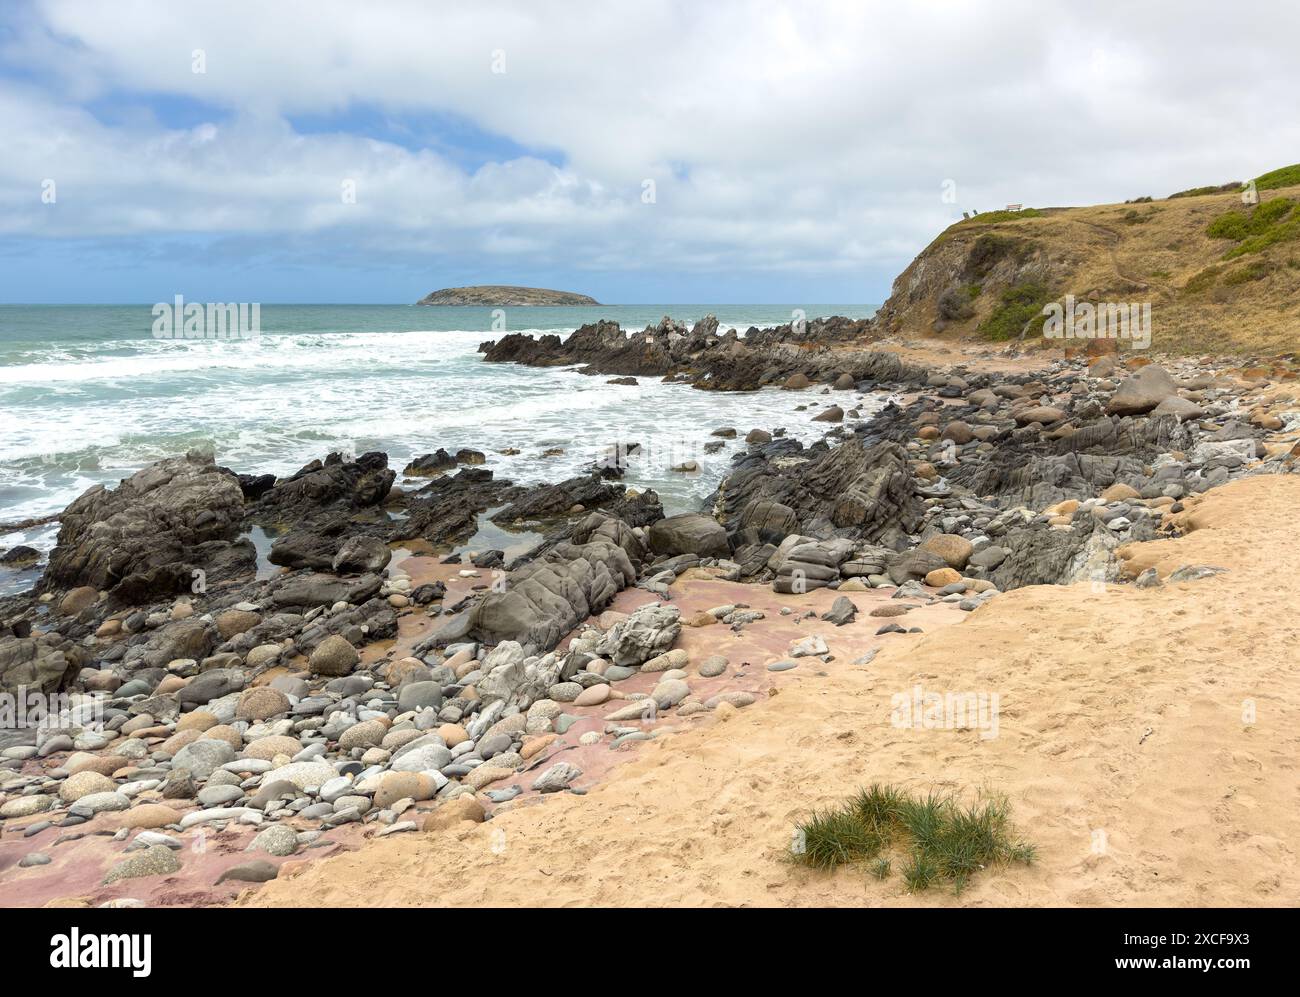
point(941, 841)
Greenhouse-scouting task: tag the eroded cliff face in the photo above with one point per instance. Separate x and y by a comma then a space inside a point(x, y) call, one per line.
point(957, 283)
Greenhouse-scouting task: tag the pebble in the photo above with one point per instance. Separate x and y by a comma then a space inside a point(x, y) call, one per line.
point(278, 839)
point(713, 666)
point(556, 778)
point(259, 871)
point(156, 860)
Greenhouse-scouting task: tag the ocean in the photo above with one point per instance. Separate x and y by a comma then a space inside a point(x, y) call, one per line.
point(88, 395)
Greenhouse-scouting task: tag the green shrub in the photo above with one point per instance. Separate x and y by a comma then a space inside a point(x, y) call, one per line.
point(1017, 305)
point(1203, 191)
point(1202, 281)
point(1282, 232)
point(1270, 223)
point(943, 842)
point(993, 217)
point(1234, 225)
point(1287, 176)
point(1255, 270)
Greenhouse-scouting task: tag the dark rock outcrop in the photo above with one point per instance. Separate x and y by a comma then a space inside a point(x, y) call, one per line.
point(848, 491)
point(546, 598)
point(147, 537)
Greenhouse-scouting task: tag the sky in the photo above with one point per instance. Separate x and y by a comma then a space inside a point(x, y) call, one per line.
point(640, 151)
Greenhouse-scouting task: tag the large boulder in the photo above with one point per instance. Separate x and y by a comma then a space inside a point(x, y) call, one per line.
point(362, 554)
point(848, 491)
point(150, 536)
point(1141, 392)
point(43, 664)
point(690, 533)
point(318, 589)
point(545, 599)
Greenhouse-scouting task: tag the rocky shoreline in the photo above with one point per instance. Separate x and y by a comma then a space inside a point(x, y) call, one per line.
point(352, 691)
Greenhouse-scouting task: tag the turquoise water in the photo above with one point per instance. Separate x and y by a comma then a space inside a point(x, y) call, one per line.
point(89, 395)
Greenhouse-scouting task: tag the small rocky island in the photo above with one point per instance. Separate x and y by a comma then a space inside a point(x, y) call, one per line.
point(500, 295)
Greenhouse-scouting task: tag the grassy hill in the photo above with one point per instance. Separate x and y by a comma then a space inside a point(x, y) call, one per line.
point(1221, 276)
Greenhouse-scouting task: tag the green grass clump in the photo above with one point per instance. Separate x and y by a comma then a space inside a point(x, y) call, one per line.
point(833, 838)
point(1287, 176)
point(1204, 191)
point(993, 217)
point(1202, 281)
point(1255, 270)
point(942, 841)
point(1270, 223)
point(1017, 304)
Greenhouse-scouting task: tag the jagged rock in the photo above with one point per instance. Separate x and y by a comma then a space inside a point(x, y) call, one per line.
point(333, 486)
point(647, 632)
point(548, 501)
point(146, 538)
point(846, 491)
point(559, 776)
point(546, 598)
point(1040, 556)
point(446, 511)
point(841, 612)
point(430, 463)
point(770, 521)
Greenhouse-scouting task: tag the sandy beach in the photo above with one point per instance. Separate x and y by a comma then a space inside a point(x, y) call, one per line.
point(1122, 748)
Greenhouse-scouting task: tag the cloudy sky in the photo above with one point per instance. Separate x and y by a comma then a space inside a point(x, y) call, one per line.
point(636, 150)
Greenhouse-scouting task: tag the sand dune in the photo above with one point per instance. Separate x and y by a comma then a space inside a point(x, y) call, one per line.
point(1121, 745)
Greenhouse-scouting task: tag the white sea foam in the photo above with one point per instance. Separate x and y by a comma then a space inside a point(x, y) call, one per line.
point(74, 417)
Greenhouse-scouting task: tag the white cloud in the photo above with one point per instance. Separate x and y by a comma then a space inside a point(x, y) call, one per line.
point(804, 137)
